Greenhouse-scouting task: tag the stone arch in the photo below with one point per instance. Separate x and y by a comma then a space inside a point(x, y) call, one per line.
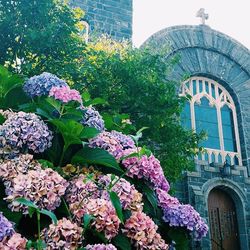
point(207, 52)
point(239, 197)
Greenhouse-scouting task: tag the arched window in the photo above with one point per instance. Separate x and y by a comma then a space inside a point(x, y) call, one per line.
point(211, 109)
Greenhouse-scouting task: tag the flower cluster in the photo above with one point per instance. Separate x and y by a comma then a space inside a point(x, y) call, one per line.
point(180, 215)
point(43, 187)
point(6, 113)
point(101, 247)
point(26, 131)
point(6, 227)
point(129, 197)
point(105, 218)
point(186, 216)
point(92, 118)
point(143, 231)
point(65, 235)
point(15, 242)
point(81, 188)
point(9, 169)
point(114, 142)
point(126, 141)
point(42, 84)
point(147, 167)
point(65, 94)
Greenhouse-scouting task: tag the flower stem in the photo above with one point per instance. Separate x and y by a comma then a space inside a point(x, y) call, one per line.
point(67, 208)
point(38, 230)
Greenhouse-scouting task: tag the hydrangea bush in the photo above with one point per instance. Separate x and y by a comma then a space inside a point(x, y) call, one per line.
point(69, 183)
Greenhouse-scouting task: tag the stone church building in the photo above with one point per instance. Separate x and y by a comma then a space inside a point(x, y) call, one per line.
point(218, 86)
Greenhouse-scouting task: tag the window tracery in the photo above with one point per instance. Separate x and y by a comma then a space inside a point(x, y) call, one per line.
point(212, 109)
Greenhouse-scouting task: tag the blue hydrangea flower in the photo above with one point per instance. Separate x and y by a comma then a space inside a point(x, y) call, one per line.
point(41, 84)
point(92, 118)
point(6, 227)
point(24, 131)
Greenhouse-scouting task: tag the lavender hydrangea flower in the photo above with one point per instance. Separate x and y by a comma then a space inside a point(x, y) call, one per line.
point(41, 84)
point(101, 247)
point(126, 141)
point(26, 131)
point(6, 227)
point(179, 215)
point(117, 144)
point(92, 118)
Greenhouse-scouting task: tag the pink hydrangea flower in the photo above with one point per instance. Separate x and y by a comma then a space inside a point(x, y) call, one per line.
point(129, 197)
point(147, 167)
point(143, 231)
point(65, 235)
point(105, 218)
point(101, 247)
point(15, 242)
point(43, 187)
point(65, 94)
point(9, 169)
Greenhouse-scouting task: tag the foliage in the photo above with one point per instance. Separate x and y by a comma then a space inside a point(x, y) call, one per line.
point(37, 36)
point(85, 188)
point(134, 82)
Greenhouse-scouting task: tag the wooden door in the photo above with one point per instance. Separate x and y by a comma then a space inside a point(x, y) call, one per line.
point(223, 221)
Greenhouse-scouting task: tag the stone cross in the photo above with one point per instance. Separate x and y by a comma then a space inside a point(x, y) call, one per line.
point(201, 13)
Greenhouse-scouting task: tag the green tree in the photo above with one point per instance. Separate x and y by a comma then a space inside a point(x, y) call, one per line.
point(133, 81)
point(37, 36)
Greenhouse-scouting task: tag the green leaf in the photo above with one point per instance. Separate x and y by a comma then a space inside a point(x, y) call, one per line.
point(89, 132)
point(150, 194)
point(117, 205)
point(46, 163)
point(27, 203)
point(2, 119)
point(41, 244)
point(31, 211)
point(122, 242)
point(50, 214)
point(96, 101)
point(70, 130)
point(86, 220)
point(86, 96)
point(96, 156)
point(29, 244)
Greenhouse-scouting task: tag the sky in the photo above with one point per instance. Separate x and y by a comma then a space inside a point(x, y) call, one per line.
point(228, 16)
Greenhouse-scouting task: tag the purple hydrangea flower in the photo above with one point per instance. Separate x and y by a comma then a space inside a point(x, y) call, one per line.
point(92, 118)
point(6, 227)
point(26, 131)
point(126, 141)
point(179, 215)
point(41, 84)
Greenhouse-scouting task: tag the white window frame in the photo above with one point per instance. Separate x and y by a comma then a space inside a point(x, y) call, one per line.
point(222, 97)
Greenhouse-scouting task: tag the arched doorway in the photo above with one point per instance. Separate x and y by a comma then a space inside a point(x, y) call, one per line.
point(223, 221)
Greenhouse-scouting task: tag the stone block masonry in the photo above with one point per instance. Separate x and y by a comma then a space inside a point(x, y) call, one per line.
point(112, 17)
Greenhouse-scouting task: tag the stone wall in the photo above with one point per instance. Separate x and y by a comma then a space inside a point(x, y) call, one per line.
point(212, 54)
point(195, 190)
point(113, 17)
